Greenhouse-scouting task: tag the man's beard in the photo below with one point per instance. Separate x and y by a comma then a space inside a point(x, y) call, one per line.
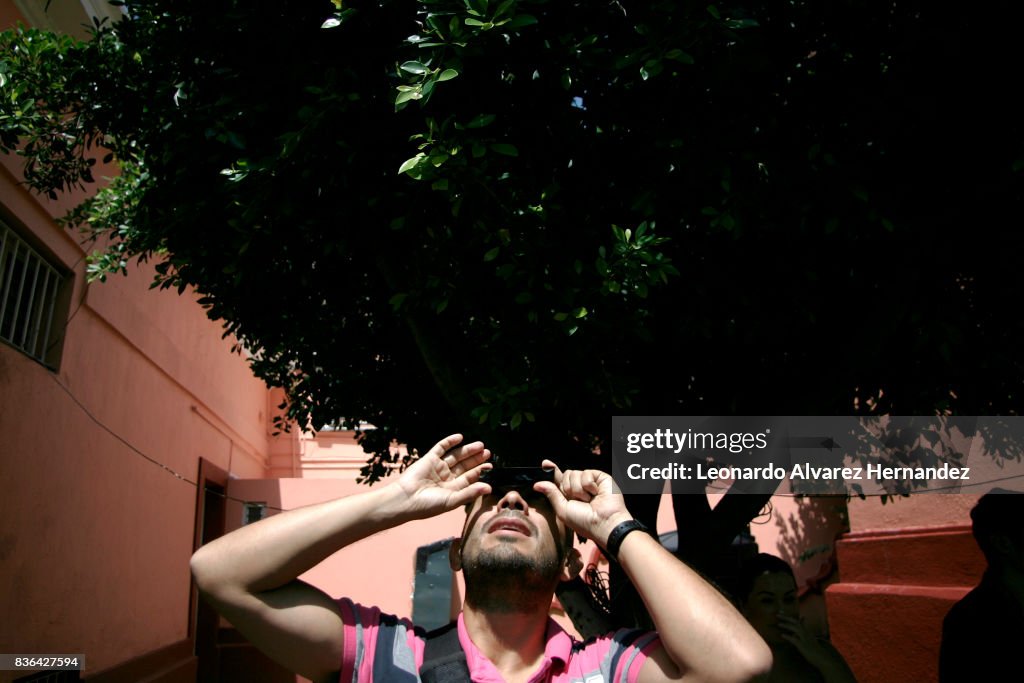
point(505, 580)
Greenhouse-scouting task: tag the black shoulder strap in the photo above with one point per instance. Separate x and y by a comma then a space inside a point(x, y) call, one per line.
point(443, 658)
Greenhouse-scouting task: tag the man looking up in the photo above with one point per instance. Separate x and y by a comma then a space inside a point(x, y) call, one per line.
point(513, 551)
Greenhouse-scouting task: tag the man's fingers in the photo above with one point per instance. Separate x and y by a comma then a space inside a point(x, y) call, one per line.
point(584, 485)
point(461, 458)
point(442, 447)
point(574, 486)
point(550, 465)
point(553, 494)
point(460, 497)
point(470, 476)
point(468, 451)
point(458, 453)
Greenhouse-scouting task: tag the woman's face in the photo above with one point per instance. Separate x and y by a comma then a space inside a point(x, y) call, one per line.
point(771, 595)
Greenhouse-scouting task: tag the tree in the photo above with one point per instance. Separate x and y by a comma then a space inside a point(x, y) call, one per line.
point(519, 218)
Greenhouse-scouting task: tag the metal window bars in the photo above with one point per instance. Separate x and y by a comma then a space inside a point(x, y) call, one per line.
point(28, 295)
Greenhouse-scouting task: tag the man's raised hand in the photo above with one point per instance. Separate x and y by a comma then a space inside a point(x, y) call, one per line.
point(587, 501)
point(445, 477)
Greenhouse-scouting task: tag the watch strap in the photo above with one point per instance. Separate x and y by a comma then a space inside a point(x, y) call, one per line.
point(618, 535)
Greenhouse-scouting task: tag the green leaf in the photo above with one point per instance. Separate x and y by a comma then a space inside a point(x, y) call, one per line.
point(447, 75)
point(679, 56)
point(521, 21)
point(481, 120)
point(331, 23)
point(417, 68)
point(713, 11)
point(505, 148)
point(412, 163)
point(517, 420)
point(492, 254)
point(408, 95)
point(740, 24)
point(560, 316)
point(504, 7)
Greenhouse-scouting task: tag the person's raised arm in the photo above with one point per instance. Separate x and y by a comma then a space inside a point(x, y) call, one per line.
point(703, 637)
point(250, 575)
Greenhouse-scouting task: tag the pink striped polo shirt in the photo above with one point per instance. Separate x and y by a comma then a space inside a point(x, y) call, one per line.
point(616, 657)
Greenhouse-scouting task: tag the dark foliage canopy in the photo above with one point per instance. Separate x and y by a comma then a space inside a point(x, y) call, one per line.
point(519, 218)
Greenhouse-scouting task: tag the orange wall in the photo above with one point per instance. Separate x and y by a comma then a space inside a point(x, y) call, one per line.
point(901, 568)
point(922, 510)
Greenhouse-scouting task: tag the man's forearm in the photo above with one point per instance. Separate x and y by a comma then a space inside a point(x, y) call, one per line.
point(701, 631)
point(250, 575)
point(276, 550)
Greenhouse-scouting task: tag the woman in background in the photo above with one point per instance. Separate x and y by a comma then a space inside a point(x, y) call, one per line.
point(766, 591)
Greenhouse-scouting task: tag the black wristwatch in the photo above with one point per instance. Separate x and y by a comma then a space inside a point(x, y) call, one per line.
point(618, 535)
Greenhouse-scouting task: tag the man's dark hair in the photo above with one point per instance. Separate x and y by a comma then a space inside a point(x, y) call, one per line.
point(997, 513)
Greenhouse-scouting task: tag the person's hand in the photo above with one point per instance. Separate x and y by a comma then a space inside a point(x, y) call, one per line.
point(445, 477)
point(807, 644)
point(587, 501)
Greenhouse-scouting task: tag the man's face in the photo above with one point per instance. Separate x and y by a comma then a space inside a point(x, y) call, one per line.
point(512, 530)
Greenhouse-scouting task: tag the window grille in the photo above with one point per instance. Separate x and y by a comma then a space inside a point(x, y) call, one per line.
point(29, 289)
point(253, 512)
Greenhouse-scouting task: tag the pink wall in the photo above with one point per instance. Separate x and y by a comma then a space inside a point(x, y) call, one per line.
point(95, 539)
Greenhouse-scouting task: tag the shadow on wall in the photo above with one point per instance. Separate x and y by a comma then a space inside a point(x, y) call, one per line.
point(801, 532)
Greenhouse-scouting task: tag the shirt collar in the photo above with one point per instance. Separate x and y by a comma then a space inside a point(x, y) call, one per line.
point(557, 650)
